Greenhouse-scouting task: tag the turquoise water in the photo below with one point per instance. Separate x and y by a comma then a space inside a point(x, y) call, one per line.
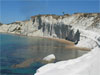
point(16, 49)
point(9, 45)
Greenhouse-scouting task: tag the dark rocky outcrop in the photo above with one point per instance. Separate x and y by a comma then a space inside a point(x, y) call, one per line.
point(73, 37)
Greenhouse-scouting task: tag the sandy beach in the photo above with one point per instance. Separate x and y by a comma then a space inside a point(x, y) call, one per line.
point(69, 44)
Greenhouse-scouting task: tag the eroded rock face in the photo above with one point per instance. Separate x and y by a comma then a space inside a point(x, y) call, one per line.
point(55, 26)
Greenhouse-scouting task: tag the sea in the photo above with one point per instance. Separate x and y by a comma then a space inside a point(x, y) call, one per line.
point(28, 53)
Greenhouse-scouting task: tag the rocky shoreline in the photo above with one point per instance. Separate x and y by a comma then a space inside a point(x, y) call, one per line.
point(59, 27)
point(88, 63)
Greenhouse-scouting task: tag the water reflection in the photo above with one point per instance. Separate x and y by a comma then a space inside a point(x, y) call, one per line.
point(30, 51)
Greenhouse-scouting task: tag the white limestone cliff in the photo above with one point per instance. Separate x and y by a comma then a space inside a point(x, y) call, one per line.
point(49, 25)
point(88, 64)
point(59, 27)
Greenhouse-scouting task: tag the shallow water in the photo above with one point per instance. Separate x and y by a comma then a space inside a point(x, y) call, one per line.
point(16, 49)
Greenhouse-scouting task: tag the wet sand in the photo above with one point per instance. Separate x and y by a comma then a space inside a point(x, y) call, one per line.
point(25, 63)
point(69, 45)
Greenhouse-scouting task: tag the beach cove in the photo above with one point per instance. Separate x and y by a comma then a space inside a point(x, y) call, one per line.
point(17, 49)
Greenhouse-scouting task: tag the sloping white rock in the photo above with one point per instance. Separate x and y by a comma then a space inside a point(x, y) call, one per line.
point(49, 57)
point(49, 25)
point(88, 64)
